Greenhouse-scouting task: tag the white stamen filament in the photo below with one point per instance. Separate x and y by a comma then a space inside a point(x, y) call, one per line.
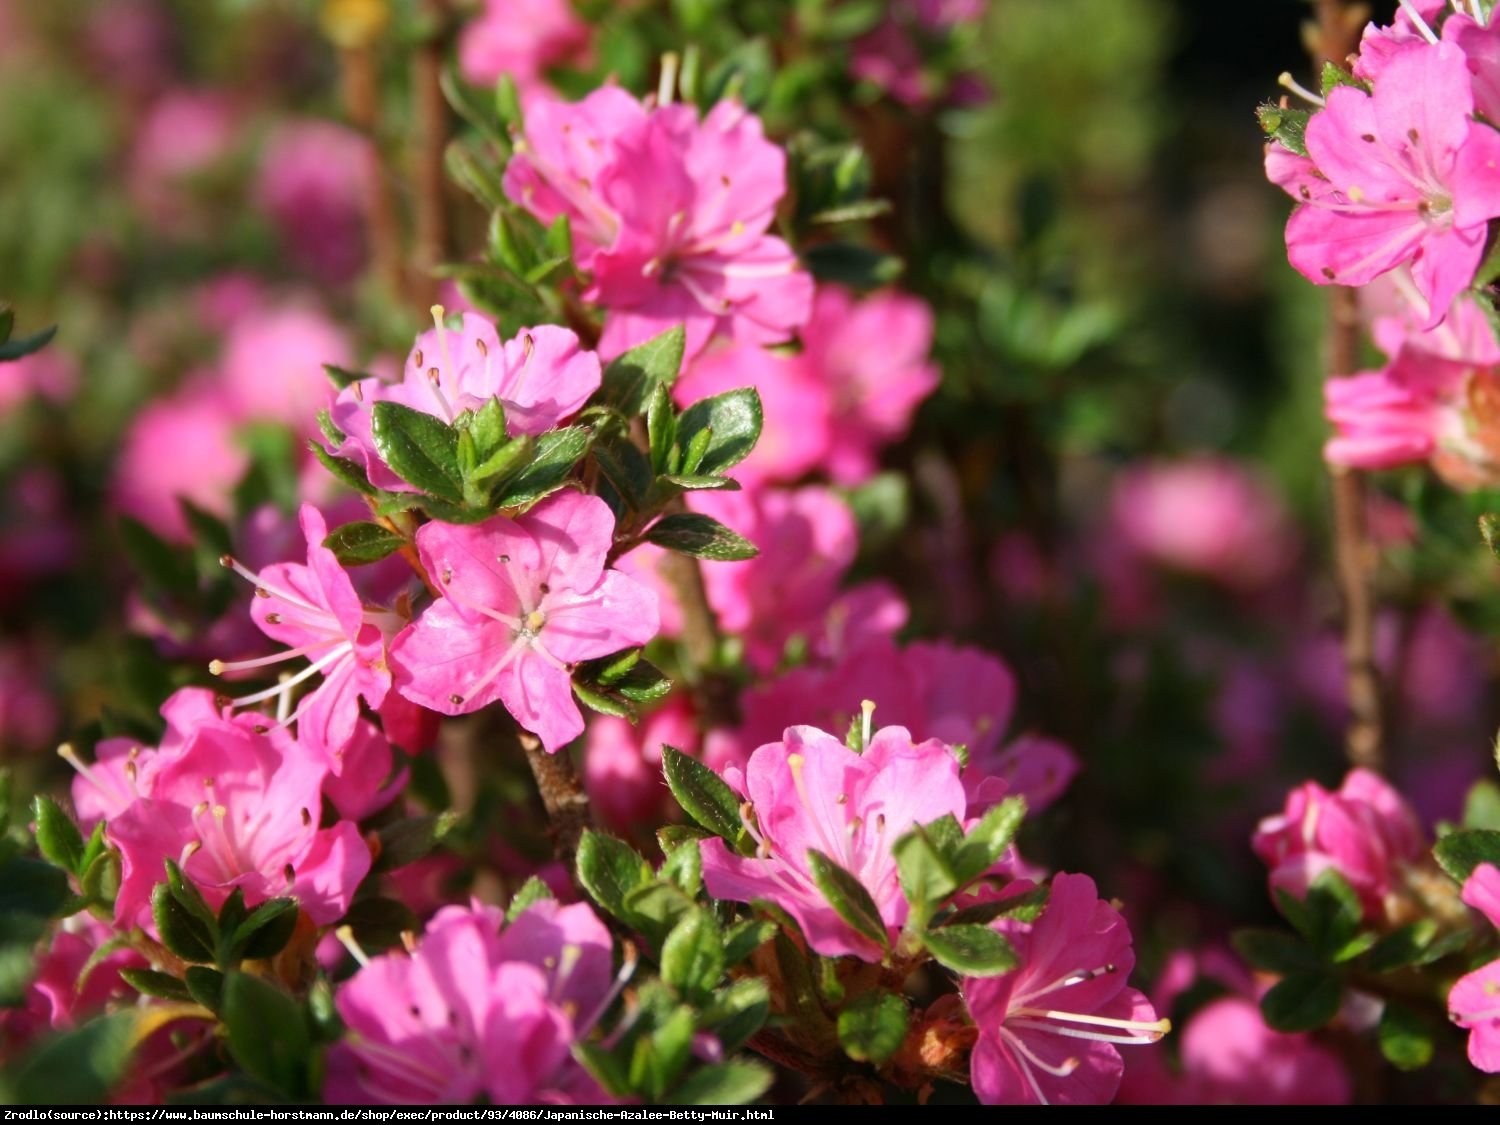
point(287, 684)
point(629, 959)
point(235, 565)
point(1416, 17)
point(499, 666)
point(666, 85)
point(1151, 1029)
point(284, 704)
point(219, 667)
point(345, 936)
point(1287, 82)
point(69, 755)
point(867, 708)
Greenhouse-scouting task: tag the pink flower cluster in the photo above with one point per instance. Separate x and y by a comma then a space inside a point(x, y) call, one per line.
point(1048, 1029)
point(1472, 1002)
point(669, 214)
point(1401, 181)
point(478, 1009)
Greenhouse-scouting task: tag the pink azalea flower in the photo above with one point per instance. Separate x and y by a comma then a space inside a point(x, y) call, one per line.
point(522, 39)
point(63, 994)
point(475, 1011)
point(49, 374)
point(179, 447)
point(669, 215)
point(1407, 176)
point(540, 377)
point(1203, 515)
point(185, 135)
point(811, 792)
point(807, 540)
point(1366, 832)
point(522, 600)
point(1378, 45)
point(238, 809)
point(1049, 1028)
point(28, 709)
point(371, 778)
point(871, 355)
point(890, 56)
point(313, 608)
point(1472, 1002)
point(314, 179)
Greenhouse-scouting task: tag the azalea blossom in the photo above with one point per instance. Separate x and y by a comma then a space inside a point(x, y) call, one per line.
point(522, 600)
point(314, 182)
point(540, 377)
point(238, 809)
point(313, 607)
point(1049, 1029)
point(1474, 1001)
point(1365, 831)
point(811, 792)
point(1400, 175)
point(520, 39)
point(669, 216)
point(475, 1010)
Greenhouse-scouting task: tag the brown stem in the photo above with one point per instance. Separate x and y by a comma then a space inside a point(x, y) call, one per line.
point(360, 80)
point(407, 550)
point(431, 112)
point(563, 797)
point(1334, 37)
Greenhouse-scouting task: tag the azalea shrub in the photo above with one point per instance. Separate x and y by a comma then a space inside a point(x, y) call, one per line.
point(702, 553)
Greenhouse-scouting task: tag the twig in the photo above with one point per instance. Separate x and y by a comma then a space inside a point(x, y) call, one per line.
point(1332, 39)
point(563, 797)
point(430, 182)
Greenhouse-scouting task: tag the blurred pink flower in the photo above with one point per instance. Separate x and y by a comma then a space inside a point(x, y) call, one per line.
point(622, 763)
point(49, 374)
point(890, 56)
point(184, 135)
point(313, 182)
point(28, 710)
point(273, 365)
point(1473, 1003)
point(522, 39)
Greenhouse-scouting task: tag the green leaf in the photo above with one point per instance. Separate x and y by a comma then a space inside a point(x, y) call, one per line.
point(1285, 126)
point(670, 836)
point(744, 938)
point(1274, 951)
point(1405, 1037)
point(1334, 75)
point(80, 1067)
point(412, 838)
point(420, 449)
point(852, 264)
point(692, 957)
point(21, 346)
point(1024, 907)
point(503, 463)
point(163, 986)
point(732, 421)
point(703, 537)
point(655, 908)
point(1329, 917)
point(378, 923)
point(684, 867)
point(630, 379)
point(342, 468)
point(532, 891)
point(268, 1034)
point(731, 1083)
point(643, 683)
point(468, 104)
point(986, 841)
point(744, 74)
point(342, 377)
point(603, 702)
point(159, 564)
point(205, 985)
point(849, 898)
point(1402, 947)
point(181, 932)
point(331, 432)
point(923, 859)
point(626, 469)
point(661, 427)
point(557, 452)
point(1482, 806)
point(355, 544)
point(1302, 1001)
point(873, 1027)
point(57, 836)
point(737, 1011)
point(264, 933)
point(609, 869)
point(704, 797)
point(486, 427)
point(1458, 853)
point(974, 951)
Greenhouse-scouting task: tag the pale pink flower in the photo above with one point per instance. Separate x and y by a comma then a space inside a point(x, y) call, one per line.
point(522, 600)
point(1202, 515)
point(49, 374)
point(669, 215)
point(313, 608)
point(238, 809)
point(475, 1010)
point(185, 135)
point(521, 39)
point(541, 377)
point(1366, 832)
point(314, 179)
point(1401, 175)
point(1048, 1030)
point(811, 792)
